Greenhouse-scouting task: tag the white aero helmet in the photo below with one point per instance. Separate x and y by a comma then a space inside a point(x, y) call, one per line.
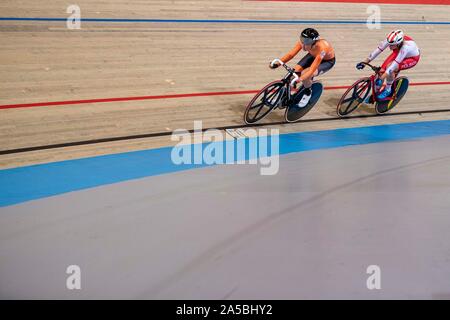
point(395, 37)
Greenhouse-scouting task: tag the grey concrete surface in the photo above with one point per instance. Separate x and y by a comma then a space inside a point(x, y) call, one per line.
point(226, 232)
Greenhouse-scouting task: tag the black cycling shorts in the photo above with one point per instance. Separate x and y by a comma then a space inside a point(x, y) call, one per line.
point(325, 66)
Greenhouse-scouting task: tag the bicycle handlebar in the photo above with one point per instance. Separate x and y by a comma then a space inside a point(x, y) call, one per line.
point(290, 70)
point(294, 81)
point(375, 69)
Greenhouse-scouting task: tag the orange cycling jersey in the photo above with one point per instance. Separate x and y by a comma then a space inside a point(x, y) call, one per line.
point(321, 50)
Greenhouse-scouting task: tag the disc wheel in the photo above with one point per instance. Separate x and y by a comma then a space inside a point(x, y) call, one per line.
point(400, 86)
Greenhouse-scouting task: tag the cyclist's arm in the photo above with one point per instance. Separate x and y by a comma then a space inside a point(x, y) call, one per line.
point(381, 47)
point(292, 53)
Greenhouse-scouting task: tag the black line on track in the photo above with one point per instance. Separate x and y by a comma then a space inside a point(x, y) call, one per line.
point(168, 133)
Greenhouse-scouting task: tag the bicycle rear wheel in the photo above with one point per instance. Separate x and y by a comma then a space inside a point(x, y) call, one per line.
point(400, 87)
point(264, 102)
point(293, 112)
point(354, 96)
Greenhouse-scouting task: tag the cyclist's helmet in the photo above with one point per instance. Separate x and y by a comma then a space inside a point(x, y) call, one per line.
point(395, 37)
point(309, 36)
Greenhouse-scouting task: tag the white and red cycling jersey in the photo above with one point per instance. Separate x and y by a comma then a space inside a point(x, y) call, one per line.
point(405, 57)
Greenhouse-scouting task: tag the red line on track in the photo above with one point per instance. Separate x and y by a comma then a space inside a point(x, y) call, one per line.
point(432, 2)
point(171, 96)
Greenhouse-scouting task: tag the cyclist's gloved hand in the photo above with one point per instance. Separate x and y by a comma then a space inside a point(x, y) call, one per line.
point(360, 66)
point(274, 64)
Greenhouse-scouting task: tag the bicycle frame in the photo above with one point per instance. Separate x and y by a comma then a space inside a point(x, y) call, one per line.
point(373, 77)
point(287, 79)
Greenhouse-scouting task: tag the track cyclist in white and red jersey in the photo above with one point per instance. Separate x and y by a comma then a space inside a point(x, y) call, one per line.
point(405, 55)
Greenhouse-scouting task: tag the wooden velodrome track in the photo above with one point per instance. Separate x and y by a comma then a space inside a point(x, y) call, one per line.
point(43, 61)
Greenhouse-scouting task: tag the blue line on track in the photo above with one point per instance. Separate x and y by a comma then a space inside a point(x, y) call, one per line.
point(18, 185)
point(229, 21)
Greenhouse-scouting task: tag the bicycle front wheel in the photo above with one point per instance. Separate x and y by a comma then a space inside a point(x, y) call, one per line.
point(354, 96)
point(264, 102)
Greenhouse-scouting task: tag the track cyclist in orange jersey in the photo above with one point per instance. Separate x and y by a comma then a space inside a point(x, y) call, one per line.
point(320, 59)
point(405, 55)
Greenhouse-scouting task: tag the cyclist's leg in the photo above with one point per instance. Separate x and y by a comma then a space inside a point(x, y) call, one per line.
point(298, 69)
point(388, 61)
point(389, 70)
point(394, 70)
point(407, 63)
point(307, 92)
point(391, 74)
point(386, 64)
point(325, 66)
point(307, 82)
point(303, 64)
